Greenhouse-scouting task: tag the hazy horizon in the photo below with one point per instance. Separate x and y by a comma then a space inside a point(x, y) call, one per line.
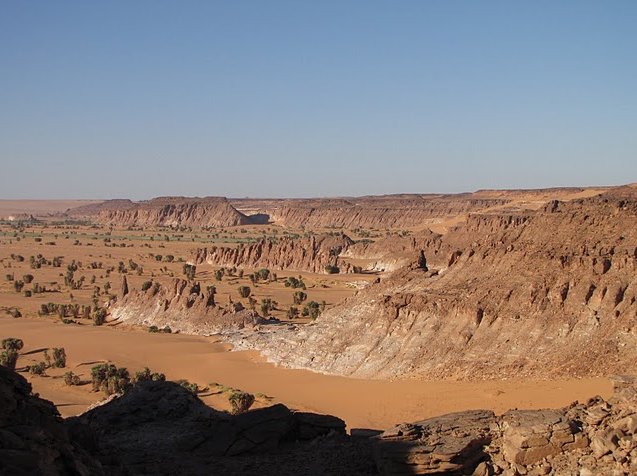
point(306, 100)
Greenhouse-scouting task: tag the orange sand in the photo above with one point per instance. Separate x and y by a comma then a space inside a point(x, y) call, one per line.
point(361, 403)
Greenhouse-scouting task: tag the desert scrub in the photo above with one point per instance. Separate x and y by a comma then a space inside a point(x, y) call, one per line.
point(57, 358)
point(110, 379)
point(244, 291)
point(9, 358)
point(146, 375)
point(191, 387)
point(11, 343)
point(99, 316)
point(240, 401)
point(14, 312)
point(71, 379)
point(37, 369)
point(9, 354)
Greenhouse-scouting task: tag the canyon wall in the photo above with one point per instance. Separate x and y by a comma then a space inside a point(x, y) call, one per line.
point(309, 253)
point(533, 295)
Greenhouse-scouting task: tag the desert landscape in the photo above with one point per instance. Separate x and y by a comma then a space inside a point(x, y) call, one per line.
point(301, 238)
point(377, 310)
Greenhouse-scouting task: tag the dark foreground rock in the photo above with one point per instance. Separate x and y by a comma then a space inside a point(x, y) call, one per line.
point(160, 428)
point(33, 437)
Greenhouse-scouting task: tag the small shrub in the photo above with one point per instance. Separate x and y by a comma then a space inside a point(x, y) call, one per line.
point(240, 401)
point(146, 375)
point(191, 387)
point(71, 379)
point(37, 369)
point(110, 379)
point(11, 343)
point(58, 358)
point(190, 270)
point(244, 291)
point(99, 316)
point(27, 278)
point(14, 312)
point(299, 297)
point(146, 285)
point(292, 313)
point(9, 358)
point(312, 309)
point(294, 283)
point(331, 269)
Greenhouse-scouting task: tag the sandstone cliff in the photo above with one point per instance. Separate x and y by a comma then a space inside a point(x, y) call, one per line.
point(547, 293)
point(176, 211)
point(374, 212)
point(309, 253)
point(164, 211)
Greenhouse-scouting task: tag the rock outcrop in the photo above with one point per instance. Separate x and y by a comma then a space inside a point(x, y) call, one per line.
point(309, 253)
point(33, 436)
point(595, 437)
point(160, 428)
point(508, 294)
point(183, 306)
point(160, 425)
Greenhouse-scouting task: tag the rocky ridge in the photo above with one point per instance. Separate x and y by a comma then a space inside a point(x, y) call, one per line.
point(507, 294)
point(595, 437)
point(183, 306)
point(309, 253)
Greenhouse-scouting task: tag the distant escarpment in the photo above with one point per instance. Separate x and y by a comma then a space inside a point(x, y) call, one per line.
point(182, 306)
point(539, 294)
point(310, 253)
point(375, 212)
point(165, 211)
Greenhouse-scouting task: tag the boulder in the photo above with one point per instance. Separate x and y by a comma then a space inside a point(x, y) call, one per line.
point(450, 444)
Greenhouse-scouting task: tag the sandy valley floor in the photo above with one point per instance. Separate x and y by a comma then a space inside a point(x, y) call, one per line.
point(361, 403)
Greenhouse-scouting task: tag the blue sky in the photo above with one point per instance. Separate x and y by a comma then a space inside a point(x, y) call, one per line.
point(314, 98)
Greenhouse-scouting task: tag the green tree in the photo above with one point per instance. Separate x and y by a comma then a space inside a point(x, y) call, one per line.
point(244, 291)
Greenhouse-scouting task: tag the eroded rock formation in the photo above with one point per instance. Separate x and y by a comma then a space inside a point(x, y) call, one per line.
point(382, 212)
point(184, 306)
point(508, 294)
point(164, 211)
point(595, 437)
point(309, 253)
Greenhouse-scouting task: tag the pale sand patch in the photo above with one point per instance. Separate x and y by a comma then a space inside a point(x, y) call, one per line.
point(361, 403)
